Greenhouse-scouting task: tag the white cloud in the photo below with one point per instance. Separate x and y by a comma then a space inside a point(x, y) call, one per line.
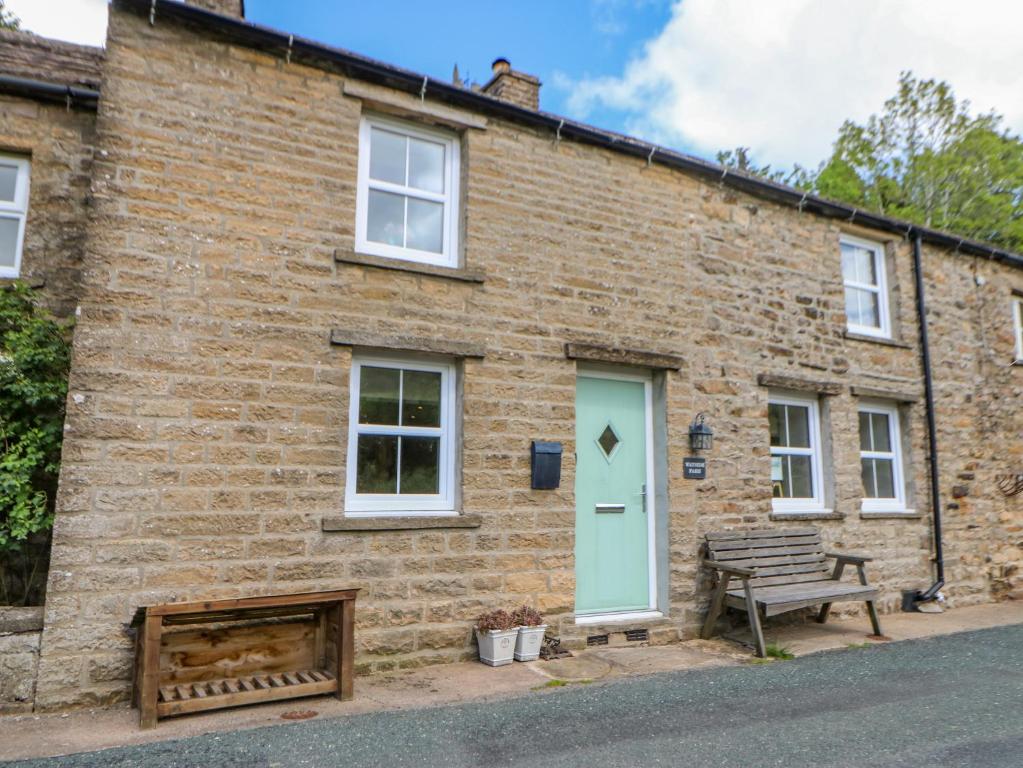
point(781, 76)
point(77, 21)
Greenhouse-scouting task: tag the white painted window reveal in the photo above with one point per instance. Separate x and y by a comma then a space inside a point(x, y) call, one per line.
point(407, 196)
point(14, 178)
point(401, 441)
point(796, 475)
point(881, 466)
point(866, 291)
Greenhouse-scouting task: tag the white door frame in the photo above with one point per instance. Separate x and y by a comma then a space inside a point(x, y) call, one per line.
point(649, 500)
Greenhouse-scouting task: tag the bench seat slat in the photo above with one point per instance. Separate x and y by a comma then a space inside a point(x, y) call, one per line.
point(777, 541)
point(789, 578)
point(769, 562)
point(766, 533)
point(742, 554)
point(784, 593)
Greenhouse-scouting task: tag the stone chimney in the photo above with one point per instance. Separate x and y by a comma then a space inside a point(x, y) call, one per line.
point(515, 87)
point(234, 8)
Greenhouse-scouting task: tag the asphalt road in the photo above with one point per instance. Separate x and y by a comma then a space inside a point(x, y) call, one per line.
point(953, 701)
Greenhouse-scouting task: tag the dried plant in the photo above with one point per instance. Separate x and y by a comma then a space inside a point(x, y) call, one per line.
point(524, 616)
point(495, 621)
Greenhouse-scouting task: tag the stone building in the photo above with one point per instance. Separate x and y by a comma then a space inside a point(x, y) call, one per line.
point(326, 305)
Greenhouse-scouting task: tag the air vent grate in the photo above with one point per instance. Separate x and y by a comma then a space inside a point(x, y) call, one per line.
point(596, 640)
point(637, 635)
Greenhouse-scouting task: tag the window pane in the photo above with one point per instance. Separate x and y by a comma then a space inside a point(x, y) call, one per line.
point(799, 426)
point(420, 465)
point(861, 308)
point(775, 419)
point(8, 241)
point(858, 264)
point(865, 442)
point(885, 473)
point(867, 475)
point(796, 477)
point(386, 223)
point(8, 182)
point(387, 156)
point(420, 403)
point(425, 225)
point(378, 395)
point(426, 165)
point(377, 468)
point(800, 481)
point(882, 433)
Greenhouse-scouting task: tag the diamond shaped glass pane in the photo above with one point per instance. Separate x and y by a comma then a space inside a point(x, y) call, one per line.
point(608, 440)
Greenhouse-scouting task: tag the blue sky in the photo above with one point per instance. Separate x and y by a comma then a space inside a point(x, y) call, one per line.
point(559, 41)
point(778, 76)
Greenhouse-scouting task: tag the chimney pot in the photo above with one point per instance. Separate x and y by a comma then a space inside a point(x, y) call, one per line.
point(500, 65)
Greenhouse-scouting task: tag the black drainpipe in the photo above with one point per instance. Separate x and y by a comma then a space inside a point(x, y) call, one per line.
point(925, 353)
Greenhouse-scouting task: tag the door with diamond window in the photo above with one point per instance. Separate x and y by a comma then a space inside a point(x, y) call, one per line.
point(612, 530)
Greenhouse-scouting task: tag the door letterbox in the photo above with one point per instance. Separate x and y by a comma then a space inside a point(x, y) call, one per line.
point(546, 465)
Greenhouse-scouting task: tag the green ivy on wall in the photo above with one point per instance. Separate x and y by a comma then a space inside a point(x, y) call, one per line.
point(35, 354)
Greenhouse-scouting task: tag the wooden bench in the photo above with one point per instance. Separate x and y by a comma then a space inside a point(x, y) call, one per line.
point(191, 657)
point(781, 570)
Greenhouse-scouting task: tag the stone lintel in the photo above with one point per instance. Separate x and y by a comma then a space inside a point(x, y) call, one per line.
point(599, 353)
point(782, 381)
point(395, 523)
point(405, 104)
point(345, 337)
point(397, 265)
point(884, 394)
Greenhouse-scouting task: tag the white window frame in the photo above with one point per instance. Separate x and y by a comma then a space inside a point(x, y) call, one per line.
point(881, 289)
point(448, 257)
point(17, 209)
point(898, 503)
point(1017, 316)
point(816, 503)
point(381, 505)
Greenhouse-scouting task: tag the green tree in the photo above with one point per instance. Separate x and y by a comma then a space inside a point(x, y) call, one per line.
point(741, 159)
point(925, 159)
point(34, 365)
point(7, 19)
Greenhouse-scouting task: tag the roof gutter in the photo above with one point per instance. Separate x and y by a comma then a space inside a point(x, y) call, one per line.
point(363, 68)
point(72, 96)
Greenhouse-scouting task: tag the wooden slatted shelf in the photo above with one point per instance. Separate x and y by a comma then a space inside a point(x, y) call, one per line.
point(233, 692)
point(192, 657)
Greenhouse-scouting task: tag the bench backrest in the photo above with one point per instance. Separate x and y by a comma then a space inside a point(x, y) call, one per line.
point(779, 556)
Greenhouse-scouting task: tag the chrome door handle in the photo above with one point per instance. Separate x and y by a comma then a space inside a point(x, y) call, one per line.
point(642, 493)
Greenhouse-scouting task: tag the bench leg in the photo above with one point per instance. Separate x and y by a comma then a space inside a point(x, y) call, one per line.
point(716, 604)
point(754, 619)
point(875, 623)
point(822, 616)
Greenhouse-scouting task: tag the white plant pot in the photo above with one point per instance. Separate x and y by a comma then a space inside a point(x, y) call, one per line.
point(527, 644)
point(497, 647)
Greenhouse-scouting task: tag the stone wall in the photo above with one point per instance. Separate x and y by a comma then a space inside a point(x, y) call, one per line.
point(20, 632)
point(207, 423)
point(53, 61)
point(60, 144)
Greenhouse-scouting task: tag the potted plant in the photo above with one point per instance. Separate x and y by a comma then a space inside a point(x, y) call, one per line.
point(496, 633)
point(531, 632)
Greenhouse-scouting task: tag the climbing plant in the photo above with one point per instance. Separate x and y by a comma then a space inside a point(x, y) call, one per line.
point(34, 363)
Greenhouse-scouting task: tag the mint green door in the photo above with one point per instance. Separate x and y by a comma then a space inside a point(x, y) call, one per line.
point(612, 566)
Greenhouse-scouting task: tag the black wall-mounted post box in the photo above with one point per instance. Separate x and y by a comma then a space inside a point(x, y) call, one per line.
point(546, 465)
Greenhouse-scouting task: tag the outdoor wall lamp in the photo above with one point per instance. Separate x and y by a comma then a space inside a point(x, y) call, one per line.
point(701, 437)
